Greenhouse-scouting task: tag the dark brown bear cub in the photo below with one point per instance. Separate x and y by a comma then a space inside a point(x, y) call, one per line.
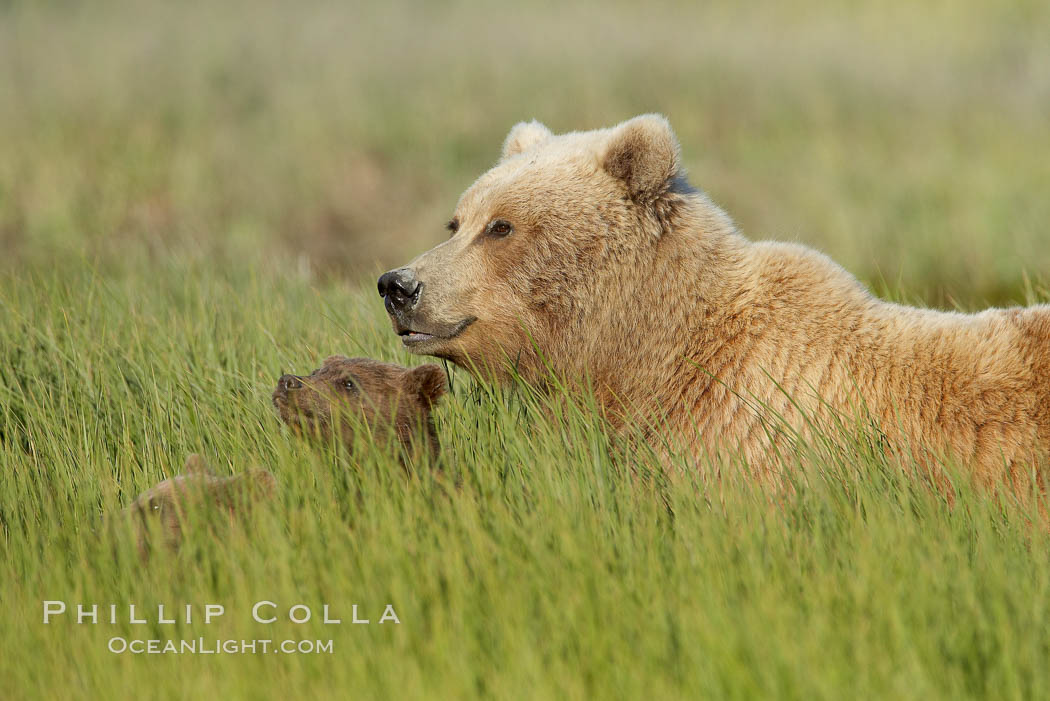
point(349, 394)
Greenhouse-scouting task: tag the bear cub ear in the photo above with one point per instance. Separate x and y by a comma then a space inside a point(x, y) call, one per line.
point(643, 153)
point(428, 383)
point(195, 465)
point(523, 136)
point(252, 484)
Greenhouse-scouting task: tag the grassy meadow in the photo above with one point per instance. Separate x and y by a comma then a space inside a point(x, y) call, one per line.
point(197, 197)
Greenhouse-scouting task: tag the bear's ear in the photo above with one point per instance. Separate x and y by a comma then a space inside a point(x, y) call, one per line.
point(253, 484)
point(428, 383)
point(643, 153)
point(195, 465)
point(523, 136)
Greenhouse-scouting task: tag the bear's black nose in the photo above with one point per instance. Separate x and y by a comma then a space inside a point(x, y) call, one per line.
point(399, 289)
point(289, 382)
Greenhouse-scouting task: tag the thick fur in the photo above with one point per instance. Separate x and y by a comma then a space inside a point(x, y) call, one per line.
point(348, 394)
point(619, 274)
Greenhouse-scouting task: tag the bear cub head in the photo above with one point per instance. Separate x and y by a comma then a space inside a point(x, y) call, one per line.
point(347, 395)
point(164, 511)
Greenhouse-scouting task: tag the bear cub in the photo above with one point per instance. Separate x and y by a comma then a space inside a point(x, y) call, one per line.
point(345, 395)
point(164, 509)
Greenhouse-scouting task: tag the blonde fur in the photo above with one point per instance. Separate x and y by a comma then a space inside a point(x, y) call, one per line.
point(620, 274)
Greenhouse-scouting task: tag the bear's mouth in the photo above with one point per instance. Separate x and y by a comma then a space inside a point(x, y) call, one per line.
point(416, 336)
point(413, 337)
point(291, 412)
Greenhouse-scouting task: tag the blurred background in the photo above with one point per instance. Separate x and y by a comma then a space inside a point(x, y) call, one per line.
point(910, 141)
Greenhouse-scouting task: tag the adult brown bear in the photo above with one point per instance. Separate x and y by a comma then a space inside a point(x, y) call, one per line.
point(588, 255)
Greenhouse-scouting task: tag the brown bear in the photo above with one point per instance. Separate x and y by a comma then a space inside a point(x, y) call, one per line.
point(589, 255)
point(163, 510)
point(391, 401)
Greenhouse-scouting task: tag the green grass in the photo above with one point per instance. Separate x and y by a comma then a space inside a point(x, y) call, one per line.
point(535, 565)
point(195, 197)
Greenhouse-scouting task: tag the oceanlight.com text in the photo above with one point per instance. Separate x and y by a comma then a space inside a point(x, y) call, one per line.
point(205, 646)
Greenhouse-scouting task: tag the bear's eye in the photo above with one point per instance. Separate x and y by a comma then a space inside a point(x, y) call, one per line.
point(453, 225)
point(499, 228)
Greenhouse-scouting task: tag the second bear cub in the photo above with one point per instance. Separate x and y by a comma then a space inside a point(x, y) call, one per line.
point(199, 492)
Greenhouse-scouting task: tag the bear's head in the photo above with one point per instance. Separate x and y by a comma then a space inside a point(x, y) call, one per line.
point(550, 252)
point(197, 494)
point(349, 394)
